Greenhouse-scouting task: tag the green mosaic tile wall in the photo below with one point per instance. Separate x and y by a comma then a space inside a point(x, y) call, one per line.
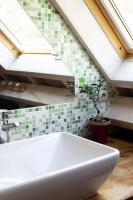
point(71, 117)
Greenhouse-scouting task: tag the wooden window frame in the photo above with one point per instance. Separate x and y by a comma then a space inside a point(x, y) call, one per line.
point(9, 44)
point(7, 41)
point(111, 31)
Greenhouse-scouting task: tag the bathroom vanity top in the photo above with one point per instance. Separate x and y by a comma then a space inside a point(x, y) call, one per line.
point(120, 185)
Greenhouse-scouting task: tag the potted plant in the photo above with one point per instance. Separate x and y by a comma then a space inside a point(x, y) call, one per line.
point(99, 124)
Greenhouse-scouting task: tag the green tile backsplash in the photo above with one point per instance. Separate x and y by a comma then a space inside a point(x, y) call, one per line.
point(71, 117)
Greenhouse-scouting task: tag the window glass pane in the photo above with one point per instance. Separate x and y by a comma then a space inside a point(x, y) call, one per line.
point(125, 7)
point(18, 24)
point(121, 13)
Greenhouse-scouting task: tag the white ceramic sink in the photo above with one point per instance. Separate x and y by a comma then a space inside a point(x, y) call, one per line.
point(58, 166)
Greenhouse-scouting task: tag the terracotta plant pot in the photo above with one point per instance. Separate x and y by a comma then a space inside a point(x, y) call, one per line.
point(99, 129)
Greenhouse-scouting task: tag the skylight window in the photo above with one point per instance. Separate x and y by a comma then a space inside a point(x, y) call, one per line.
point(121, 13)
point(20, 29)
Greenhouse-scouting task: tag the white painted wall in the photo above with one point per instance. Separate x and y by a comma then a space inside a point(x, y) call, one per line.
point(124, 75)
point(35, 63)
point(90, 34)
point(6, 57)
point(121, 112)
point(40, 63)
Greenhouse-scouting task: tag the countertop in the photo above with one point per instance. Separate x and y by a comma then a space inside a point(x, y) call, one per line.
point(120, 185)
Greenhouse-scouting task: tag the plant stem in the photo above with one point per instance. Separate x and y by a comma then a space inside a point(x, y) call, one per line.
point(95, 105)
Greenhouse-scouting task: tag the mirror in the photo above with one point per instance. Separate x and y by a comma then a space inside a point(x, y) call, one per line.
point(17, 92)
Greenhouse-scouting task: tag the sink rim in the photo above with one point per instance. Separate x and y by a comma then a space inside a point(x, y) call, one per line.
point(115, 152)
